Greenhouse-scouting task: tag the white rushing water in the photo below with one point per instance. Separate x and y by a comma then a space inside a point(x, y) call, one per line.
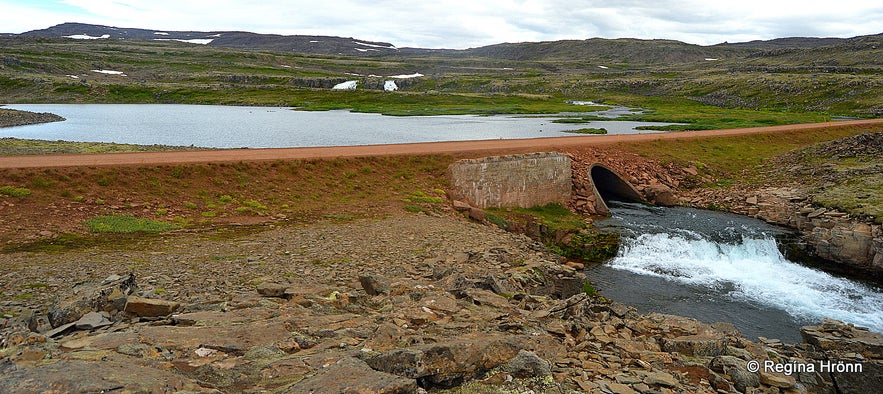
point(751, 269)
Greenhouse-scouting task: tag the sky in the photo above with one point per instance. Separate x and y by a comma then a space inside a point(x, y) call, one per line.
point(460, 24)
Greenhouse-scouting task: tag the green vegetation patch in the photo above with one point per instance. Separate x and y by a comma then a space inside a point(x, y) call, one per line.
point(587, 131)
point(19, 147)
point(13, 191)
point(562, 231)
point(735, 158)
point(858, 196)
point(126, 224)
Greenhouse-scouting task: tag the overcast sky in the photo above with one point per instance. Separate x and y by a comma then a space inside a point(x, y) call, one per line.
point(468, 23)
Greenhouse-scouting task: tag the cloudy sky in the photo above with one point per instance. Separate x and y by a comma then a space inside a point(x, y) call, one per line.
point(468, 23)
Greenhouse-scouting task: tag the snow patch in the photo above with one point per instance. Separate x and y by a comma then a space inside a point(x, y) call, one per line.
point(711, 59)
point(390, 86)
point(160, 33)
point(200, 41)
point(313, 41)
point(87, 37)
point(73, 76)
point(365, 50)
point(578, 102)
point(604, 67)
point(375, 45)
point(110, 72)
point(215, 35)
point(348, 85)
point(414, 75)
point(285, 66)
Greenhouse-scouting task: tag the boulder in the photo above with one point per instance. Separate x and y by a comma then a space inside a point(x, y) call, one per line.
point(374, 284)
point(351, 375)
point(527, 365)
point(147, 307)
point(696, 345)
point(660, 194)
point(271, 289)
point(445, 364)
point(736, 369)
point(109, 296)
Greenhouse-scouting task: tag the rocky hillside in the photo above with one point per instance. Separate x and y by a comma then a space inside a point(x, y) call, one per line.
point(324, 45)
point(634, 51)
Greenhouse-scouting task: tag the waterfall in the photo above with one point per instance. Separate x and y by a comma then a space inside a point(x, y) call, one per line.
point(737, 258)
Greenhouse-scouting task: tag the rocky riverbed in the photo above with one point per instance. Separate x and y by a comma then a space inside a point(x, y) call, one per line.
point(11, 117)
point(405, 304)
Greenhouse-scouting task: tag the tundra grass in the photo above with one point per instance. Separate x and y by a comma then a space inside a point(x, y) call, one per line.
point(17, 146)
point(736, 157)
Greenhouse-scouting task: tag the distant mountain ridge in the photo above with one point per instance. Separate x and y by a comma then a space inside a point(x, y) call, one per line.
point(231, 39)
point(614, 50)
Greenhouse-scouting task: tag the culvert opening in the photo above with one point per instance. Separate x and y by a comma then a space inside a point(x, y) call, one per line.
point(611, 187)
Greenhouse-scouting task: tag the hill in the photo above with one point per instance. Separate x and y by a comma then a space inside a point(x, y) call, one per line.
point(228, 39)
point(681, 82)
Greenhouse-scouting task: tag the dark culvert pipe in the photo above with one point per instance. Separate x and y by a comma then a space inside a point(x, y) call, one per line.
point(609, 186)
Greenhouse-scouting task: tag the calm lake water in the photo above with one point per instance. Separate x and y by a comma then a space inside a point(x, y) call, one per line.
point(273, 127)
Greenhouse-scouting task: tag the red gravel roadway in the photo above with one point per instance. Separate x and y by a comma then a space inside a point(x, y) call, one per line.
point(452, 147)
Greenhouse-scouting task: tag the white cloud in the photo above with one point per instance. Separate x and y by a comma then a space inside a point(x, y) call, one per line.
point(470, 23)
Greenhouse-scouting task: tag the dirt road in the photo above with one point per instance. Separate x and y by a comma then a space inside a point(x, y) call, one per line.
point(453, 147)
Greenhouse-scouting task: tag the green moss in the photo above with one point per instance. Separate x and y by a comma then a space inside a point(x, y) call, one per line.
point(124, 224)
point(858, 196)
point(14, 191)
point(587, 131)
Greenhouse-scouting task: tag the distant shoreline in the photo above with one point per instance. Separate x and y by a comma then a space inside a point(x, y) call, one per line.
point(13, 117)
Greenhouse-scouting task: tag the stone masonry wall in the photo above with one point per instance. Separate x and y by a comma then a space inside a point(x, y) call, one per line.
point(513, 181)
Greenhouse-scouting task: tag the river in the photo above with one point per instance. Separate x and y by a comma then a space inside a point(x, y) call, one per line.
point(274, 127)
point(716, 266)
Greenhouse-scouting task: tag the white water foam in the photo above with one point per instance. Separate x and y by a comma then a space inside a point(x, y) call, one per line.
point(752, 270)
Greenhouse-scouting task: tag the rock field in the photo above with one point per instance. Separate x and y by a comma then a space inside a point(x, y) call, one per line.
point(406, 304)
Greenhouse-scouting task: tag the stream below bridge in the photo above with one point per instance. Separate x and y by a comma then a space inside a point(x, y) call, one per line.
point(715, 266)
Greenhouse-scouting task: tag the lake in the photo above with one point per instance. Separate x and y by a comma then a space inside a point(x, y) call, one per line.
point(274, 127)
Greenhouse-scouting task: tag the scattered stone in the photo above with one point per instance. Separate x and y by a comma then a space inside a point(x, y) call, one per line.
point(147, 307)
point(528, 365)
point(696, 345)
point(660, 379)
point(444, 364)
point(272, 289)
point(89, 297)
point(91, 321)
point(374, 284)
point(351, 375)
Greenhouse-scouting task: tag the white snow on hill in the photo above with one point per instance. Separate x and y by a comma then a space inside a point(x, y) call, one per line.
point(375, 45)
point(414, 75)
point(87, 37)
point(200, 41)
point(348, 85)
point(110, 72)
point(390, 86)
